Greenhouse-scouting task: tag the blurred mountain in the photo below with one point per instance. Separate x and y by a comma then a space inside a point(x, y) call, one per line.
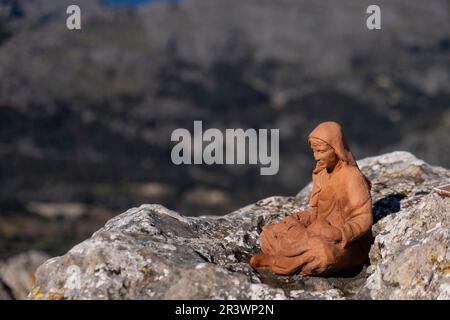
point(86, 116)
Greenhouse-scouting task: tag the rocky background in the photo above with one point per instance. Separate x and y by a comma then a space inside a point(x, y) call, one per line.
point(86, 116)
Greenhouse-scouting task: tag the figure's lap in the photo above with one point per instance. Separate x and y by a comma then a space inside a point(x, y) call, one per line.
point(289, 250)
point(279, 239)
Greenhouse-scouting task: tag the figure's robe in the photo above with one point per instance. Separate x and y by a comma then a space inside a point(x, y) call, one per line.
point(334, 235)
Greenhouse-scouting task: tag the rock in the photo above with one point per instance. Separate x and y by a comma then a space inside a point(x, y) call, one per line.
point(152, 252)
point(5, 292)
point(410, 257)
point(17, 274)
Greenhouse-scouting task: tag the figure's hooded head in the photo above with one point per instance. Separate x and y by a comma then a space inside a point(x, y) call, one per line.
point(331, 133)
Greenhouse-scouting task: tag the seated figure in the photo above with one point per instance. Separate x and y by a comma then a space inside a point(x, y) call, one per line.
point(334, 235)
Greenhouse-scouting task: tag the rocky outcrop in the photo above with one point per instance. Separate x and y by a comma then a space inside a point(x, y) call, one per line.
point(17, 274)
point(152, 252)
point(410, 257)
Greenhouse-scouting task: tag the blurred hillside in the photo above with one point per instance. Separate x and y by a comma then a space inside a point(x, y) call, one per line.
point(86, 116)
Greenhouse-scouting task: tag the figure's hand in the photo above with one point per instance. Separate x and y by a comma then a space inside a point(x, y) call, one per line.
point(291, 221)
point(323, 229)
point(303, 217)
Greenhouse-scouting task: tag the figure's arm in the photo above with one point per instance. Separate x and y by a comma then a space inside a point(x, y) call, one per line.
point(359, 207)
point(307, 217)
point(358, 224)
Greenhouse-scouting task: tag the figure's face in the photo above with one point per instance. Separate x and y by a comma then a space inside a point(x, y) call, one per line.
point(325, 156)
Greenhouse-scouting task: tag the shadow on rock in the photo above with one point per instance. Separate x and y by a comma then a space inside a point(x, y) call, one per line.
point(386, 206)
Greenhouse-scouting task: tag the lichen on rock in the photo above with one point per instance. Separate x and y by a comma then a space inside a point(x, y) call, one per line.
point(151, 252)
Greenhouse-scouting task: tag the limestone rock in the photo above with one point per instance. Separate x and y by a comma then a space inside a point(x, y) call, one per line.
point(17, 274)
point(5, 293)
point(152, 252)
point(410, 256)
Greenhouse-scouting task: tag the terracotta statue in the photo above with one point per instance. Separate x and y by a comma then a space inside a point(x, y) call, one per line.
point(335, 233)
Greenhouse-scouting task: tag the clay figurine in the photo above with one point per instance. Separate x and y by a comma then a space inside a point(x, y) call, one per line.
point(334, 234)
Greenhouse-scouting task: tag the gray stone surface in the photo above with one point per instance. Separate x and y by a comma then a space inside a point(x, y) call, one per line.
point(152, 252)
point(17, 274)
point(5, 293)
